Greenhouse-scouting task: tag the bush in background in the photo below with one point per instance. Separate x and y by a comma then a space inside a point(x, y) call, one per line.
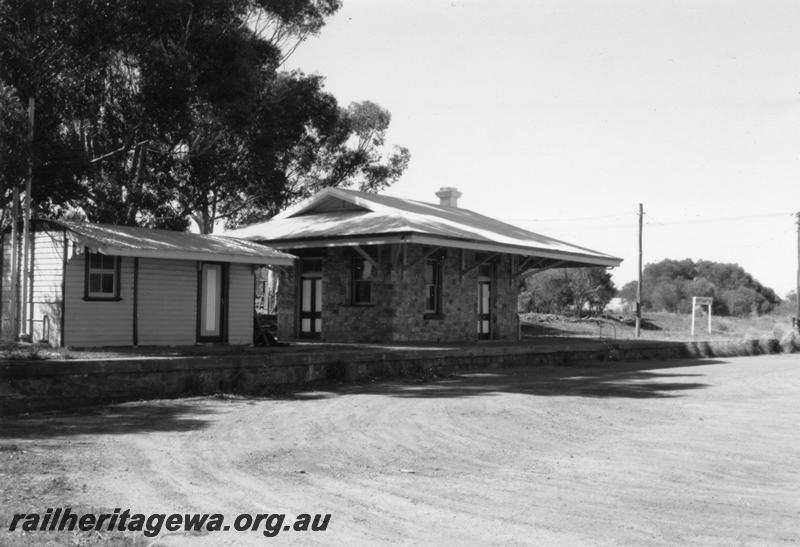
point(567, 291)
point(669, 286)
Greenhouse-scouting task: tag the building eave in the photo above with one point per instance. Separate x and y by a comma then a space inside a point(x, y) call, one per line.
point(221, 251)
point(424, 239)
point(189, 255)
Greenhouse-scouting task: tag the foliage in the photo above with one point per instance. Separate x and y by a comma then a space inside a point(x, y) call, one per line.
point(567, 290)
point(669, 286)
point(153, 113)
point(788, 305)
point(767, 330)
point(13, 159)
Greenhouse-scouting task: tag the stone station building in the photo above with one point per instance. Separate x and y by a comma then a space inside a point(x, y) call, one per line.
point(374, 268)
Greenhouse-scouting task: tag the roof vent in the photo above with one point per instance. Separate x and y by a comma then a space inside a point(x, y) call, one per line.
point(448, 196)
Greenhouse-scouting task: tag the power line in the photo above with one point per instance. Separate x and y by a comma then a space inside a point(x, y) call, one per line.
point(615, 215)
point(656, 222)
point(652, 222)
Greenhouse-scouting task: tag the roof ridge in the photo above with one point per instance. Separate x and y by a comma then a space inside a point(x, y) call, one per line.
point(416, 217)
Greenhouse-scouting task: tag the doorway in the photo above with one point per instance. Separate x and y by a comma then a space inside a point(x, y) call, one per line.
point(211, 309)
point(311, 298)
point(484, 302)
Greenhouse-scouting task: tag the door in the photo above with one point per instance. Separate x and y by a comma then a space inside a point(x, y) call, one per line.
point(310, 307)
point(211, 305)
point(484, 307)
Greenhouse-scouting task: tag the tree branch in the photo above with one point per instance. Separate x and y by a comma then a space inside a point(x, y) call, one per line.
point(122, 148)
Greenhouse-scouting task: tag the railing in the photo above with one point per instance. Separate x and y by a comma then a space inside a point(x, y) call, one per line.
point(45, 321)
point(600, 325)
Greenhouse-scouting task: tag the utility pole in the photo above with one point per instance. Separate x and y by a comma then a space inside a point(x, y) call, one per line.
point(639, 284)
point(14, 298)
point(797, 288)
point(26, 225)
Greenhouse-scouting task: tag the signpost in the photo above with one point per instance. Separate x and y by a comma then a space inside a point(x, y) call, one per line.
point(701, 301)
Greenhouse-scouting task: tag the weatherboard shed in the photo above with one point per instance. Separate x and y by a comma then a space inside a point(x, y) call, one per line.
point(104, 285)
point(375, 268)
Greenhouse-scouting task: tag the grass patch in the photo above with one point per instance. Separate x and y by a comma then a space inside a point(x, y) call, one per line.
point(24, 351)
point(664, 326)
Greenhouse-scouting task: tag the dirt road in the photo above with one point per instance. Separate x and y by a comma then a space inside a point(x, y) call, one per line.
point(654, 453)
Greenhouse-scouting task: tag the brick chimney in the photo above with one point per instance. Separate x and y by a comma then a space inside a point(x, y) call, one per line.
point(448, 196)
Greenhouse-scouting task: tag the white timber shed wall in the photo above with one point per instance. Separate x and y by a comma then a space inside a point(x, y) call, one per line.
point(167, 302)
point(46, 289)
point(241, 303)
point(97, 322)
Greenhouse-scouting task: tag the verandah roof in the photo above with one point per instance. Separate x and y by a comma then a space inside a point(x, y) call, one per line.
point(151, 243)
point(335, 217)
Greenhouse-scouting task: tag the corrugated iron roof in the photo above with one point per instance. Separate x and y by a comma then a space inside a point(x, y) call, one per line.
point(147, 242)
point(366, 218)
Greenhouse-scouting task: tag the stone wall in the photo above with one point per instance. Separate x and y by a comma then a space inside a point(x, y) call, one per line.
point(287, 304)
point(27, 386)
point(397, 310)
point(343, 321)
point(458, 320)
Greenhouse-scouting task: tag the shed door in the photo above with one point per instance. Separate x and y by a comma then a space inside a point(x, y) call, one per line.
point(211, 316)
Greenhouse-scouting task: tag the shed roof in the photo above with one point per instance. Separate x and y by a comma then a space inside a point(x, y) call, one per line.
point(335, 217)
point(147, 242)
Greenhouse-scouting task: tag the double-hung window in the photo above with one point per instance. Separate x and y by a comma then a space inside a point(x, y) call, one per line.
point(361, 289)
point(102, 277)
point(433, 286)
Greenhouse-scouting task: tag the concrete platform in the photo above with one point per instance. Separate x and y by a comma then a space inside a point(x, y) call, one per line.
point(113, 375)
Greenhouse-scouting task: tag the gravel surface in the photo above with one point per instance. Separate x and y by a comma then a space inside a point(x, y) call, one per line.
point(654, 453)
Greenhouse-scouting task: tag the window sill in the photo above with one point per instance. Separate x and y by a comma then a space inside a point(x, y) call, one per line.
point(433, 316)
point(101, 299)
point(370, 305)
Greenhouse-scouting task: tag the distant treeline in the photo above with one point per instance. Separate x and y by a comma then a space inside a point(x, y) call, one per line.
point(669, 285)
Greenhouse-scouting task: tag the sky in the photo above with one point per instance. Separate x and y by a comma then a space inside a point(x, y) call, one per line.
point(562, 117)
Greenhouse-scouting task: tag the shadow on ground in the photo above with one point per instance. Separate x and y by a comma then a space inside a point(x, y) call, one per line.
point(630, 380)
point(118, 419)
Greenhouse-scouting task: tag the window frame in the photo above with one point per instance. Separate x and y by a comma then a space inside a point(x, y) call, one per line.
point(88, 295)
point(438, 276)
point(357, 265)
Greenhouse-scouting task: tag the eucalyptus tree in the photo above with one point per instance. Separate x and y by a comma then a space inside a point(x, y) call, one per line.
point(155, 113)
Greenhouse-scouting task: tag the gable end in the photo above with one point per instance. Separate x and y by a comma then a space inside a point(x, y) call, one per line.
point(330, 204)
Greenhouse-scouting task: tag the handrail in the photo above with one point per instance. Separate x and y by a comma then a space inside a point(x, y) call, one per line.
point(600, 329)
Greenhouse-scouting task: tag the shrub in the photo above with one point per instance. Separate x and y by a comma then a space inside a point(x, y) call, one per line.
point(768, 345)
point(790, 342)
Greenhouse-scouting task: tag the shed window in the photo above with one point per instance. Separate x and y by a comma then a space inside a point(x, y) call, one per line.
point(433, 285)
point(362, 282)
point(102, 277)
